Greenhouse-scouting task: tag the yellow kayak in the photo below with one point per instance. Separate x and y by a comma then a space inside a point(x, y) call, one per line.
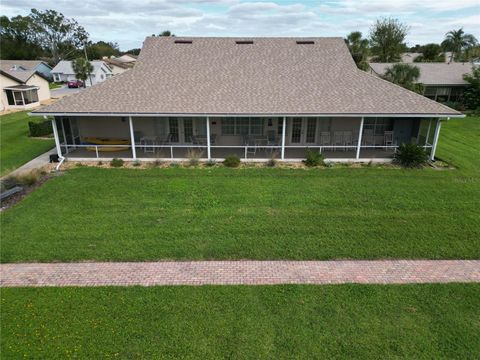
point(106, 141)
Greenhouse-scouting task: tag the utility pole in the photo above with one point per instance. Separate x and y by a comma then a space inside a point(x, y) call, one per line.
point(86, 58)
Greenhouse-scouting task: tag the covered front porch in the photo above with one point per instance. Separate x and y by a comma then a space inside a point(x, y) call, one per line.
point(255, 138)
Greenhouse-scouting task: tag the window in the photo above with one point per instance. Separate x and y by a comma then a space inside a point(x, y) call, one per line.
point(19, 98)
point(242, 126)
point(228, 126)
point(378, 126)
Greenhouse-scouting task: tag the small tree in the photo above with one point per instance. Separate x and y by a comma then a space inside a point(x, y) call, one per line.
point(430, 53)
point(404, 75)
point(387, 40)
point(358, 49)
point(57, 34)
point(82, 69)
point(457, 40)
point(471, 96)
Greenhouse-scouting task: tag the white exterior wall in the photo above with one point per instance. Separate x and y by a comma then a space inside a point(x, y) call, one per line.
point(44, 91)
point(106, 127)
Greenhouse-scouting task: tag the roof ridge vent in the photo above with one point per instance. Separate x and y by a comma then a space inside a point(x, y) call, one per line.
point(243, 42)
point(305, 42)
point(183, 41)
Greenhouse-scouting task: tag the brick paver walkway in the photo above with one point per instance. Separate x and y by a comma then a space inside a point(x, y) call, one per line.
point(240, 272)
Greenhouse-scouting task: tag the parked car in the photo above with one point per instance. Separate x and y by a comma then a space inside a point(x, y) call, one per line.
point(75, 84)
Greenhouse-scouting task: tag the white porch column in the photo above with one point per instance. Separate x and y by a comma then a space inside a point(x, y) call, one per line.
point(23, 98)
point(57, 139)
point(435, 139)
point(360, 138)
point(132, 138)
point(428, 131)
point(284, 127)
point(65, 138)
point(208, 139)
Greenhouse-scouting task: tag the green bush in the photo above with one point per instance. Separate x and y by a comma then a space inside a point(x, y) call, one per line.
point(40, 128)
point(231, 161)
point(116, 162)
point(313, 158)
point(411, 155)
point(210, 163)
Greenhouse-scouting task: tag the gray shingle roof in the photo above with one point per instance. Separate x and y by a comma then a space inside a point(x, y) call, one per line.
point(27, 64)
point(434, 73)
point(270, 76)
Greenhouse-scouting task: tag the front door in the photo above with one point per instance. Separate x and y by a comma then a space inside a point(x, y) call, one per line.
point(303, 131)
point(296, 134)
point(173, 130)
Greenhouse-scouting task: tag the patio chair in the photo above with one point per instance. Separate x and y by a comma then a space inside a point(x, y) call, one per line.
point(348, 140)
point(338, 140)
point(271, 140)
point(251, 145)
point(388, 139)
point(325, 139)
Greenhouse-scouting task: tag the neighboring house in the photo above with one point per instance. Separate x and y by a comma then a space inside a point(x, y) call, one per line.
point(127, 58)
point(35, 65)
point(254, 97)
point(63, 72)
point(21, 89)
point(442, 82)
point(410, 57)
point(117, 66)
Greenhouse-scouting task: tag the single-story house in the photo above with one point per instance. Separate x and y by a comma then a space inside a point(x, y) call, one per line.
point(63, 72)
point(117, 66)
point(254, 97)
point(21, 89)
point(35, 65)
point(127, 58)
point(442, 82)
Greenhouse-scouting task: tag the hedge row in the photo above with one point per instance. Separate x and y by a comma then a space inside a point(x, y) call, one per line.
point(40, 128)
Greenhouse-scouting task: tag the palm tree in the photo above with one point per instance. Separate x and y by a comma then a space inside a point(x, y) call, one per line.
point(82, 69)
point(456, 41)
point(404, 75)
point(358, 49)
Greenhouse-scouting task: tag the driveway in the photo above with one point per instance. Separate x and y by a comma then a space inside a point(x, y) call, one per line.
point(64, 91)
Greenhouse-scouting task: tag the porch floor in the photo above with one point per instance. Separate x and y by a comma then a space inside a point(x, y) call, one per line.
point(221, 153)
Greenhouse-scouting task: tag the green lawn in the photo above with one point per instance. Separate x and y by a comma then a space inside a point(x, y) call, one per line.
point(276, 322)
point(16, 147)
point(255, 213)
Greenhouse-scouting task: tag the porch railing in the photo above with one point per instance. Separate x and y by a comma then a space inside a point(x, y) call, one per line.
point(248, 151)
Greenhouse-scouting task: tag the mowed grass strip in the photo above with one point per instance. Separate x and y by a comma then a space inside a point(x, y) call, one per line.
point(255, 213)
point(16, 147)
point(269, 322)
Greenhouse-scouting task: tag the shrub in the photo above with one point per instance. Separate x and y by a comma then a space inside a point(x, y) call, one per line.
point(193, 157)
point(210, 163)
point(26, 178)
point(313, 158)
point(272, 162)
point(136, 163)
point(40, 128)
point(231, 161)
point(116, 162)
point(411, 155)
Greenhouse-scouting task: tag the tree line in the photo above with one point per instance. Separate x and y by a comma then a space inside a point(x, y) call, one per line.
point(386, 44)
point(50, 36)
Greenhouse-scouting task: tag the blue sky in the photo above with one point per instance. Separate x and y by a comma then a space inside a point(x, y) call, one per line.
point(128, 22)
